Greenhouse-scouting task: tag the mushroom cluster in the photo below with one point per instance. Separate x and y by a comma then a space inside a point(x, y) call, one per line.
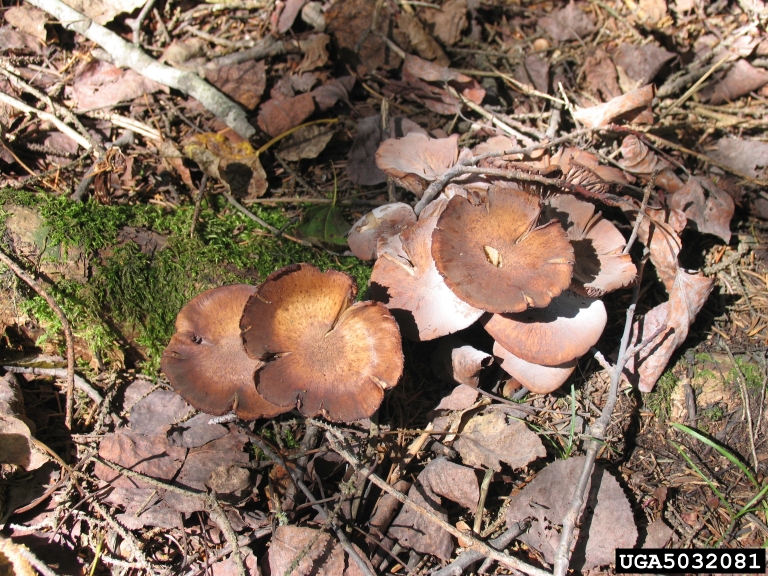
point(530, 268)
point(299, 340)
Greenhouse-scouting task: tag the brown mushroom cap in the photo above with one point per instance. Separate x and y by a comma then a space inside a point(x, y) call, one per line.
point(600, 265)
point(564, 330)
point(381, 222)
point(415, 160)
point(406, 280)
point(205, 360)
point(493, 257)
point(322, 353)
point(536, 377)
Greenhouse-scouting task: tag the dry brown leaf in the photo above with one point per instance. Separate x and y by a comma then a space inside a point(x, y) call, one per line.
point(453, 481)
point(278, 116)
point(650, 12)
point(104, 11)
point(740, 80)
point(687, 295)
point(449, 21)
point(17, 446)
point(488, 439)
point(706, 205)
point(659, 232)
point(606, 522)
point(323, 555)
point(640, 64)
point(424, 44)
point(29, 20)
point(156, 413)
point(236, 164)
point(639, 159)
point(621, 106)
point(600, 74)
point(291, 9)
point(537, 69)
point(100, 85)
point(748, 157)
point(332, 91)
point(194, 432)
point(16, 40)
point(461, 398)
point(569, 23)
point(306, 142)
point(315, 52)
point(244, 82)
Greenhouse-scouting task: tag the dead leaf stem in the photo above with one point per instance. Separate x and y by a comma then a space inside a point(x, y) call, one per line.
point(37, 287)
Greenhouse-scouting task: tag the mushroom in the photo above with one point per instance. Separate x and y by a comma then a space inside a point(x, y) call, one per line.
point(536, 377)
point(494, 257)
point(205, 360)
point(600, 266)
point(564, 330)
point(416, 159)
point(454, 361)
point(406, 280)
point(321, 353)
point(381, 223)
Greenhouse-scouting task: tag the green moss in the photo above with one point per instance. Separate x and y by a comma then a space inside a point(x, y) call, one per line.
point(753, 376)
point(660, 400)
point(136, 296)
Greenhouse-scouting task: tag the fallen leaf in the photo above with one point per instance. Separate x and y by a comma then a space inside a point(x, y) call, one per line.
point(194, 432)
point(244, 82)
point(639, 159)
point(435, 97)
point(278, 116)
point(659, 233)
point(155, 413)
point(608, 112)
point(453, 481)
point(748, 157)
point(288, 15)
point(421, 41)
point(686, 298)
point(315, 52)
point(236, 164)
point(413, 530)
point(606, 521)
point(228, 567)
point(641, 63)
point(488, 439)
point(657, 534)
point(322, 554)
point(332, 91)
point(650, 12)
point(306, 142)
point(361, 162)
point(449, 21)
point(538, 71)
point(457, 362)
point(16, 40)
point(741, 79)
point(350, 21)
point(461, 398)
point(104, 11)
point(324, 224)
point(706, 205)
point(100, 85)
point(600, 74)
point(28, 19)
point(17, 446)
point(569, 23)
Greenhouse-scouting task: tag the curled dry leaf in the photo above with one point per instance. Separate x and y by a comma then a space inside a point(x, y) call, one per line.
point(706, 205)
point(461, 398)
point(315, 52)
point(448, 21)
point(495, 258)
point(361, 162)
point(490, 438)
point(537, 69)
point(408, 283)
point(16, 430)
point(569, 23)
point(205, 360)
point(640, 64)
point(321, 353)
point(563, 331)
point(687, 296)
point(439, 478)
point(537, 378)
point(457, 362)
point(244, 82)
point(235, 164)
point(306, 142)
point(740, 80)
point(639, 159)
point(323, 554)
point(380, 223)
point(416, 159)
point(659, 232)
point(600, 266)
point(423, 42)
point(332, 91)
point(606, 521)
point(620, 106)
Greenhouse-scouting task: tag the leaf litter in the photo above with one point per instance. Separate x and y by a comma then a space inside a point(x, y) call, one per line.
point(456, 87)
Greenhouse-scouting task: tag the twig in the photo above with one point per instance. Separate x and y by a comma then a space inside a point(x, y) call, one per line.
point(127, 55)
point(743, 385)
point(334, 437)
point(465, 559)
point(80, 383)
point(36, 563)
point(53, 119)
point(126, 534)
point(641, 213)
point(437, 186)
point(693, 89)
point(136, 24)
point(35, 285)
point(481, 502)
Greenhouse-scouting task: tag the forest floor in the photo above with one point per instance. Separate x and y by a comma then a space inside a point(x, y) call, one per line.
point(126, 193)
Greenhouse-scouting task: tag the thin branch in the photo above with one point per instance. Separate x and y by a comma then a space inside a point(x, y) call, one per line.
point(80, 383)
point(35, 285)
point(127, 55)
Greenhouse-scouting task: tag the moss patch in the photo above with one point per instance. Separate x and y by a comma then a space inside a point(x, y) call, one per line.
point(133, 296)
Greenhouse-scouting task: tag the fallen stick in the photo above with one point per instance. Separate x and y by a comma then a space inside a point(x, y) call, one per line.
point(129, 56)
